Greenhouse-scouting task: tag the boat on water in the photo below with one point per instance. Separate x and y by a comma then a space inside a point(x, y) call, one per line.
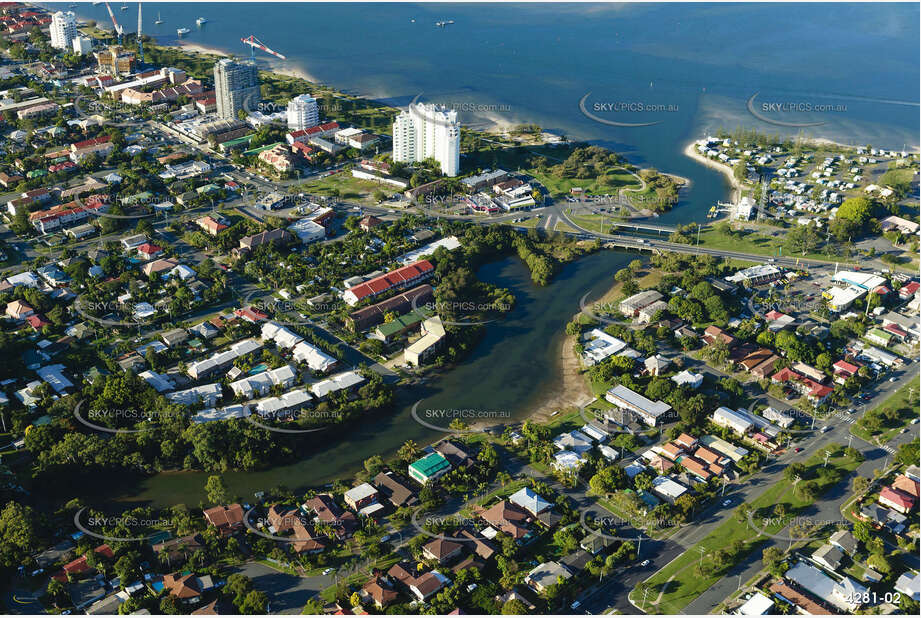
point(201, 20)
point(442, 24)
point(124, 6)
point(159, 21)
point(181, 31)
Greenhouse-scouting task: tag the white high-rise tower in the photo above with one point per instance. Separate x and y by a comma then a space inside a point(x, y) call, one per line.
point(427, 131)
point(303, 112)
point(63, 30)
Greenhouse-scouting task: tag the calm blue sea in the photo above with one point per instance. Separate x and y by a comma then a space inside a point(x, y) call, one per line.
point(689, 68)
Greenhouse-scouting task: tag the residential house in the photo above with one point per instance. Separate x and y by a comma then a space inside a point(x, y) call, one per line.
point(844, 540)
point(897, 500)
point(828, 556)
point(395, 489)
point(361, 496)
point(227, 519)
point(541, 577)
point(509, 518)
point(442, 550)
point(429, 468)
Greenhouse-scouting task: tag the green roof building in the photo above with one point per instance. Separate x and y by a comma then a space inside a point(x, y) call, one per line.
point(429, 467)
point(388, 331)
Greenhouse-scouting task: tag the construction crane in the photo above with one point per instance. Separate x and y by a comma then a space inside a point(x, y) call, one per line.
point(140, 41)
point(118, 29)
point(255, 43)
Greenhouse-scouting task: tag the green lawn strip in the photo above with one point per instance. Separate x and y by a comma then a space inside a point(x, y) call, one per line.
point(688, 584)
point(898, 400)
point(756, 243)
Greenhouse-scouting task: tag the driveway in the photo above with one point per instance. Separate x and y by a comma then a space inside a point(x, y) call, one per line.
point(287, 593)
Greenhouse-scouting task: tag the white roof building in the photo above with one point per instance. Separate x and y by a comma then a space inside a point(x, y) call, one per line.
point(725, 417)
point(335, 383)
point(566, 460)
point(667, 489)
point(315, 358)
point(757, 605)
point(649, 411)
point(777, 417)
point(282, 336)
point(450, 243)
point(207, 395)
point(686, 378)
point(574, 441)
point(159, 382)
point(866, 281)
point(222, 414)
point(600, 346)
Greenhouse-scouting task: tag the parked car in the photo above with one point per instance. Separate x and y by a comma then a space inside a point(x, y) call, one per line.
point(644, 563)
point(798, 449)
point(727, 501)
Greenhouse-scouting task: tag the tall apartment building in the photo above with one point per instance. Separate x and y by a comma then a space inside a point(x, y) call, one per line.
point(63, 29)
point(427, 131)
point(303, 112)
point(236, 86)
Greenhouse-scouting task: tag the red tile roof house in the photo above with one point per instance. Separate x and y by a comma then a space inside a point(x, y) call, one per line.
point(37, 321)
point(815, 392)
point(906, 485)
point(80, 565)
point(713, 332)
point(227, 519)
point(844, 370)
point(396, 279)
point(149, 251)
point(896, 500)
point(900, 334)
point(251, 315)
point(908, 290)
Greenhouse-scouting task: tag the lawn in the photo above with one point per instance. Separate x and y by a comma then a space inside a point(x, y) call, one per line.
point(609, 182)
point(688, 584)
point(904, 400)
point(349, 188)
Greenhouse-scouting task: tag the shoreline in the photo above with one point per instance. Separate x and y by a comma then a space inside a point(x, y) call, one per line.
point(735, 194)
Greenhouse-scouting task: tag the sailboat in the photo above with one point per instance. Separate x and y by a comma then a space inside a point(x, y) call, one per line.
point(159, 21)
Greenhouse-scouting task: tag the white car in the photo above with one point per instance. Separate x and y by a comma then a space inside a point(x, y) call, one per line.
point(727, 502)
point(644, 563)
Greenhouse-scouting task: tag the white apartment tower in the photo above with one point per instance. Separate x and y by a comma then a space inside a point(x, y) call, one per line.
point(236, 87)
point(303, 112)
point(427, 131)
point(63, 30)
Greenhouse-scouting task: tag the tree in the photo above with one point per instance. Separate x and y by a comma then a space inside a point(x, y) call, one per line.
point(18, 536)
point(216, 490)
point(802, 239)
point(408, 452)
point(856, 209)
point(256, 602)
point(514, 607)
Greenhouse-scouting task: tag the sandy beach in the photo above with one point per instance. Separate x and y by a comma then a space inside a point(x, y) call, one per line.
point(575, 390)
point(736, 193)
point(279, 67)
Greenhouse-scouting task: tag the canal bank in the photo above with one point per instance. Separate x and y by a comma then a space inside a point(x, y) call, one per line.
point(514, 370)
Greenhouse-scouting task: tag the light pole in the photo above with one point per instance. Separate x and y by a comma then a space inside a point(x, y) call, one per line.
point(827, 455)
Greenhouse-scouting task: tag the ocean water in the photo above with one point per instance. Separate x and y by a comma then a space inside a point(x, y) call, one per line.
point(690, 69)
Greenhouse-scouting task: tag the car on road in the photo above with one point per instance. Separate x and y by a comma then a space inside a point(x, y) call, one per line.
point(893, 379)
point(727, 501)
point(798, 449)
point(327, 571)
point(644, 563)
